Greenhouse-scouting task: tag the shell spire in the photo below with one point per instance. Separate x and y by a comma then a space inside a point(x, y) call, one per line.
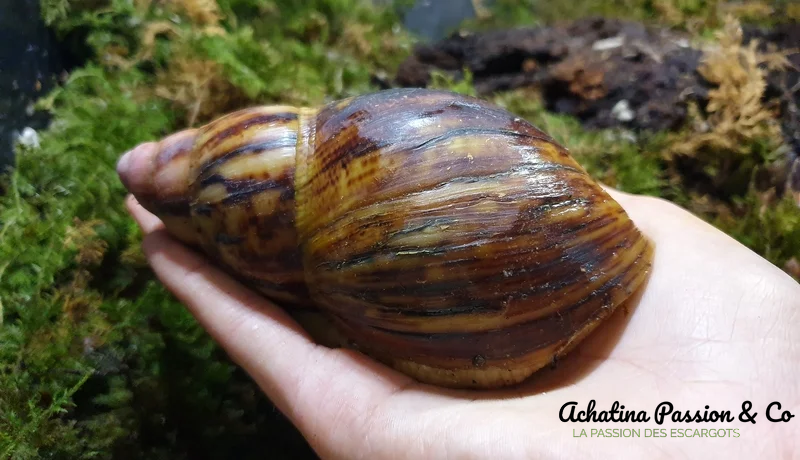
point(228, 187)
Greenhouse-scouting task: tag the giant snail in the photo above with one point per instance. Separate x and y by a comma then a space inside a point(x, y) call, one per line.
point(438, 233)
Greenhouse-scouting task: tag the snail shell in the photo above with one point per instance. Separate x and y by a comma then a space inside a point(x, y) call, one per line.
point(440, 234)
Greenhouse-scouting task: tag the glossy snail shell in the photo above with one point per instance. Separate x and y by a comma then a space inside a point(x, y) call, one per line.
point(440, 234)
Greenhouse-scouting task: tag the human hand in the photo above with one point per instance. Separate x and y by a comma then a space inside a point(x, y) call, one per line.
point(715, 325)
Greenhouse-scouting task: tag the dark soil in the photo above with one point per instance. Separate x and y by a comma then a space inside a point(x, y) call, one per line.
point(607, 73)
point(785, 86)
point(586, 69)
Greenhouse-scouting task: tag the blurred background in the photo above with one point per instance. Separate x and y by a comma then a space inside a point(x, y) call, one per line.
point(694, 101)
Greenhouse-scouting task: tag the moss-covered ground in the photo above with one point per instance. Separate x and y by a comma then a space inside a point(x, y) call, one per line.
point(97, 360)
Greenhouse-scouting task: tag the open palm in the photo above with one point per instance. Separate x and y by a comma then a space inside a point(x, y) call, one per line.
point(715, 325)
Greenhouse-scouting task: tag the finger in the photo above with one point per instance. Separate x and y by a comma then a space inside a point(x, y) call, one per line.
point(313, 385)
point(256, 334)
point(146, 220)
point(237, 319)
point(151, 224)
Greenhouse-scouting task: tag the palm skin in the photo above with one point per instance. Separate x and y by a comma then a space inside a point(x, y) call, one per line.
point(715, 325)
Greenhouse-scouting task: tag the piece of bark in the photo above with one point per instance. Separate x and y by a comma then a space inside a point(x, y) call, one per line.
point(610, 73)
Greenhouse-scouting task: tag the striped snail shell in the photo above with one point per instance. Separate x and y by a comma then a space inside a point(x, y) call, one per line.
point(437, 232)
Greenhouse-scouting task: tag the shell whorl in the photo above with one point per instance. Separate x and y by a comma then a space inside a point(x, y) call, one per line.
point(241, 184)
point(455, 240)
point(440, 233)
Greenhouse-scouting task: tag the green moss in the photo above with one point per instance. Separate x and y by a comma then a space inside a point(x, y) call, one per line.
point(770, 229)
point(51, 310)
point(462, 85)
point(54, 10)
point(329, 51)
point(96, 358)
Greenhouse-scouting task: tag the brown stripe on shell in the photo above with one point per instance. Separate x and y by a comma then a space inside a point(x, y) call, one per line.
point(177, 206)
point(247, 121)
point(238, 191)
point(284, 142)
point(175, 146)
point(252, 131)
